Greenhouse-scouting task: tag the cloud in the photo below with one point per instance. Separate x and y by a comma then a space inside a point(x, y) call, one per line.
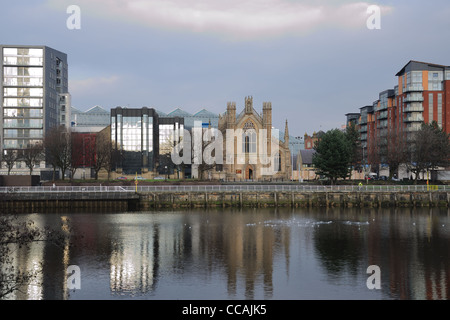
point(93, 88)
point(235, 19)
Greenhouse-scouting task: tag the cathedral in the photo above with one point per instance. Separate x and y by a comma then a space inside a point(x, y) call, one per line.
point(254, 150)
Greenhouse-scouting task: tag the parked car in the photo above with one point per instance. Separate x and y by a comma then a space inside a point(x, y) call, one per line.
point(395, 179)
point(383, 178)
point(122, 178)
point(158, 178)
point(139, 178)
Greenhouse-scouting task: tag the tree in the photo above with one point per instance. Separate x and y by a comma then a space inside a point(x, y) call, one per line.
point(111, 156)
point(333, 155)
point(57, 144)
point(429, 149)
point(15, 234)
point(354, 138)
point(392, 149)
point(32, 154)
point(10, 157)
point(101, 158)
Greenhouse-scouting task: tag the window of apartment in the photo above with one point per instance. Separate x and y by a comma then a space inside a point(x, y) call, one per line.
point(416, 77)
point(435, 79)
point(430, 107)
point(439, 109)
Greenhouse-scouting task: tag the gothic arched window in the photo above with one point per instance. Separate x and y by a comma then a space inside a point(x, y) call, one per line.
point(277, 162)
point(249, 138)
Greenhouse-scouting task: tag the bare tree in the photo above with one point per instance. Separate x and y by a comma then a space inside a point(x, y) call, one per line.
point(10, 157)
point(102, 154)
point(57, 144)
point(16, 234)
point(392, 146)
point(429, 149)
point(32, 154)
point(113, 157)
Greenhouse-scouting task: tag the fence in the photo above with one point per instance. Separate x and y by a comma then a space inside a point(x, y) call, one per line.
point(225, 188)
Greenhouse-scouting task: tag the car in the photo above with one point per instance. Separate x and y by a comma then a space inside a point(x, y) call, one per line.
point(158, 178)
point(139, 178)
point(395, 179)
point(122, 178)
point(383, 178)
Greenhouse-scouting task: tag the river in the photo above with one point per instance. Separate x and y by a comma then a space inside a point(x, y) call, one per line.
point(279, 254)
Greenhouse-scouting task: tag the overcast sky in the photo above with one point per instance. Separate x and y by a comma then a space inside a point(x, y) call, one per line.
point(314, 60)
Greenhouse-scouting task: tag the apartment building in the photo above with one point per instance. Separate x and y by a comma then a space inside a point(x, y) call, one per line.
point(34, 98)
point(422, 95)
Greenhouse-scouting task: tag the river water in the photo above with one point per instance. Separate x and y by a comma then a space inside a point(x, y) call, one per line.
point(280, 254)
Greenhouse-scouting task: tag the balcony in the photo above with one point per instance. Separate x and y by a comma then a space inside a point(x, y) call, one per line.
point(412, 129)
point(382, 115)
point(413, 98)
point(414, 118)
point(413, 109)
point(413, 88)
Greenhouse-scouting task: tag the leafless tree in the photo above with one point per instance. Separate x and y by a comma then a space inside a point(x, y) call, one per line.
point(57, 144)
point(14, 235)
point(113, 160)
point(10, 157)
point(392, 150)
point(102, 154)
point(429, 149)
point(32, 154)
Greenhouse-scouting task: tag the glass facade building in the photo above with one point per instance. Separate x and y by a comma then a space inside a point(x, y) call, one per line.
point(144, 141)
point(34, 95)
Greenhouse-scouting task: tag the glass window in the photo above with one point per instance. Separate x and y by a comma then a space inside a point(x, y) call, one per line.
point(166, 136)
point(430, 107)
point(439, 110)
point(435, 80)
point(22, 123)
point(277, 162)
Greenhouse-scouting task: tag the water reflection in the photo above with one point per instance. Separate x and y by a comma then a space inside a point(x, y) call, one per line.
point(246, 254)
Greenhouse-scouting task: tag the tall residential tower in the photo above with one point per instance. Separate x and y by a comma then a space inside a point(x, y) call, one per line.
point(34, 97)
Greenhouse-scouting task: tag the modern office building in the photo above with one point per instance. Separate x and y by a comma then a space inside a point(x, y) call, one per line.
point(34, 97)
point(144, 141)
point(93, 120)
point(201, 118)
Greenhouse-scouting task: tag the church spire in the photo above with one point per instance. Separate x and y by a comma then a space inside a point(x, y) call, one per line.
point(286, 134)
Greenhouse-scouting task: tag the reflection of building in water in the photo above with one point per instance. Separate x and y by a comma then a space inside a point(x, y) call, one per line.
point(134, 261)
point(38, 260)
point(412, 252)
point(249, 252)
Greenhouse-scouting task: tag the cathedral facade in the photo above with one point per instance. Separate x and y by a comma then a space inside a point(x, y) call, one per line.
point(254, 150)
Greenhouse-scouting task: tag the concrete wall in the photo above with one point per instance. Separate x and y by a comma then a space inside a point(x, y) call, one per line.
point(293, 199)
point(92, 202)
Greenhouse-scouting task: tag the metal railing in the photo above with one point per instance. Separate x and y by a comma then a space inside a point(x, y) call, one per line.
point(227, 188)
